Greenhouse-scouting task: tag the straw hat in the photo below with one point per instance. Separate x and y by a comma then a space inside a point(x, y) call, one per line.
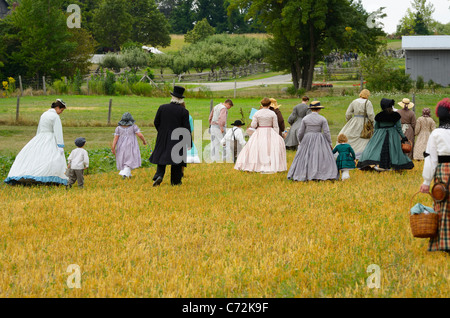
point(274, 104)
point(406, 102)
point(315, 105)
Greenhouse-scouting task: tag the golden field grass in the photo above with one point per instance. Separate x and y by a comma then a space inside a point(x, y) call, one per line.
point(223, 233)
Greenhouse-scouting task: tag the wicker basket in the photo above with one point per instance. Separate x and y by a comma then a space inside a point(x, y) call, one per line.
point(406, 147)
point(423, 225)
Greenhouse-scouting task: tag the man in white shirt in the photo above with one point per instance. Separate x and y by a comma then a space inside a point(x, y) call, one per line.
point(234, 141)
point(218, 122)
point(78, 161)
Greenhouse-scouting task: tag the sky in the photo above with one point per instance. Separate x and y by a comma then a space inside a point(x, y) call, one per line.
point(396, 9)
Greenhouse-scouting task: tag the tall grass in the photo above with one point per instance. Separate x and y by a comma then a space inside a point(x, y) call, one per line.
point(223, 233)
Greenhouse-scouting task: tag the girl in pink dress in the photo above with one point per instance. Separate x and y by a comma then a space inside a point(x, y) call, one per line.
point(265, 151)
point(125, 145)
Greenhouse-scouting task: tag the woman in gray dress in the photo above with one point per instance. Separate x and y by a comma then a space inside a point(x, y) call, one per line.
point(314, 159)
point(295, 120)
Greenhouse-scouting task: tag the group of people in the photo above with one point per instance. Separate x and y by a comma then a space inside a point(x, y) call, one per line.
point(42, 160)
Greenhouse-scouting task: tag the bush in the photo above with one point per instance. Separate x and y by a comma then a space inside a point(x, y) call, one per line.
point(295, 92)
point(60, 87)
point(96, 87)
point(401, 81)
point(110, 79)
point(420, 83)
point(122, 88)
point(77, 82)
point(142, 89)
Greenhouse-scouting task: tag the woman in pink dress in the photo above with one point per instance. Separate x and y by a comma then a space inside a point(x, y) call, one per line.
point(265, 151)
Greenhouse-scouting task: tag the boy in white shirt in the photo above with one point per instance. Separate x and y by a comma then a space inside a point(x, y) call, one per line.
point(235, 133)
point(78, 161)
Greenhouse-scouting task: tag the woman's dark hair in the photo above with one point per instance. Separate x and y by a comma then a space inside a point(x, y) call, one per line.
point(59, 103)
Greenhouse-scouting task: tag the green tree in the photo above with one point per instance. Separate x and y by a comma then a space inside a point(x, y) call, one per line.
point(201, 30)
point(443, 29)
point(149, 25)
point(420, 14)
point(304, 31)
point(42, 42)
point(182, 16)
point(112, 24)
point(135, 58)
point(420, 28)
point(161, 61)
point(214, 11)
point(80, 57)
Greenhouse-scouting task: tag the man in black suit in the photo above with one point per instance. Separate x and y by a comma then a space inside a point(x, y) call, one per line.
point(173, 139)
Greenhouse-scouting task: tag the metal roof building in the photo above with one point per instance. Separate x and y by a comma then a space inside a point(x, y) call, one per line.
point(428, 56)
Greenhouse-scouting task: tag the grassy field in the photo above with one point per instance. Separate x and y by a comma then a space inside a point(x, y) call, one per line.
point(223, 233)
point(88, 115)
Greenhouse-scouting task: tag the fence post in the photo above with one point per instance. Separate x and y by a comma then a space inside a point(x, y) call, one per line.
point(109, 111)
point(21, 87)
point(414, 102)
point(17, 108)
point(211, 105)
point(235, 86)
point(43, 85)
point(362, 83)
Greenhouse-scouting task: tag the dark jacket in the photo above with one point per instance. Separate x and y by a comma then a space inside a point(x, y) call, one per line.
point(280, 118)
point(168, 118)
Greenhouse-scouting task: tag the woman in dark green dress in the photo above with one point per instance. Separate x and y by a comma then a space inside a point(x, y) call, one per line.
point(384, 150)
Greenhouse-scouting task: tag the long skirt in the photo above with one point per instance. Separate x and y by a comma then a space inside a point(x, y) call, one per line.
point(39, 162)
point(314, 160)
point(442, 241)
point(264, 152)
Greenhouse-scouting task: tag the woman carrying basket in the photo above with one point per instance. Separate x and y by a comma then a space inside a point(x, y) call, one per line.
point(437, 167)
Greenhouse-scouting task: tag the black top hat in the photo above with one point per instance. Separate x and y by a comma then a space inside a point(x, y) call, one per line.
point(178, 91)
point(79, 142)
point(238, 123)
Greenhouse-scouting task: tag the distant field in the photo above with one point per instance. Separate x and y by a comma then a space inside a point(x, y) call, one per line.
point(394, 44)
point(177, 41)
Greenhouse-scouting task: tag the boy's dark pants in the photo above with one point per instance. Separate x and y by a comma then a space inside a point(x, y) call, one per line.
point(76, 175)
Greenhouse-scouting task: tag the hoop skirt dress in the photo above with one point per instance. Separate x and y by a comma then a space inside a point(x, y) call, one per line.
point(384, 148)
point(265, 151)
point(355, 122)
point(40, 161)
point(314, 159)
